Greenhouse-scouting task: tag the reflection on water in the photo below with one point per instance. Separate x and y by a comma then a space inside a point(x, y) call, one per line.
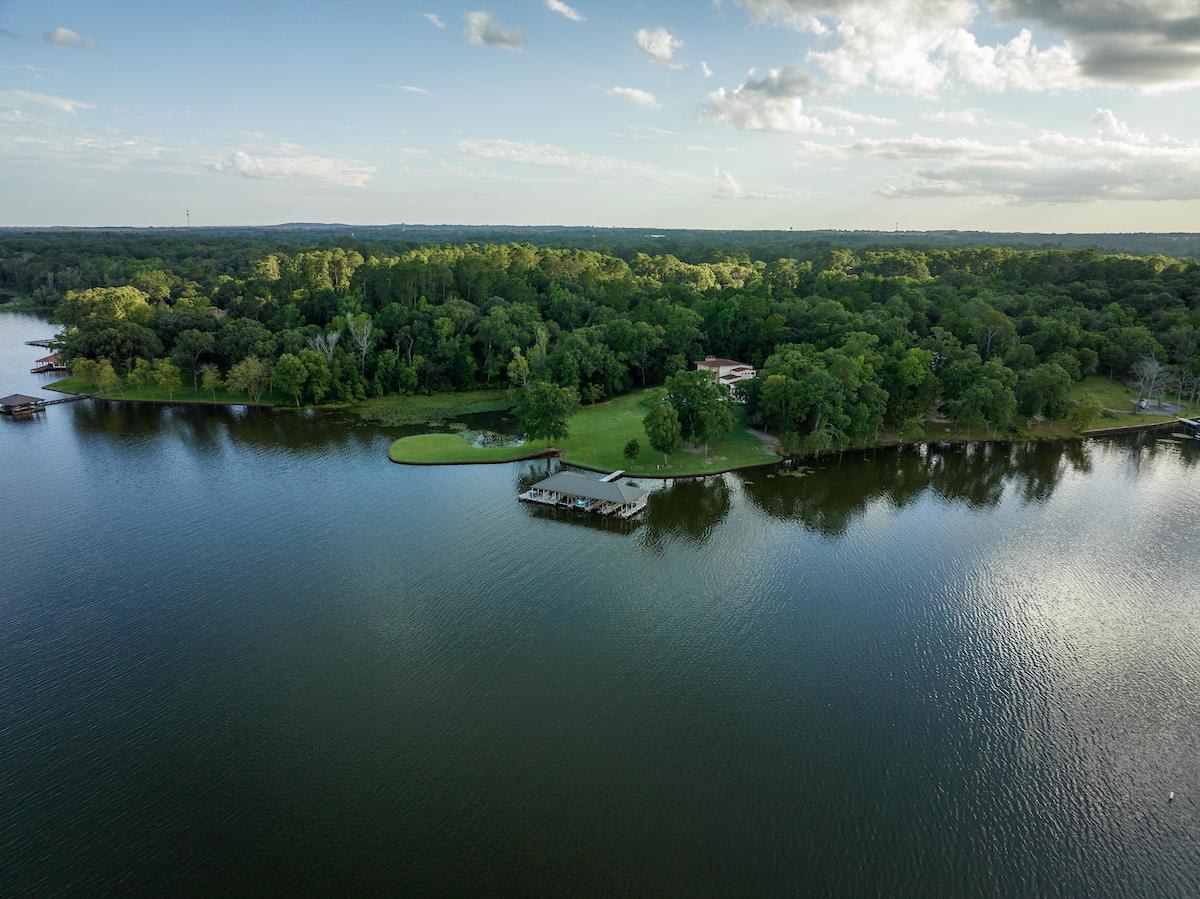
point(689, 509)
point(829, 498)
point(242, 649)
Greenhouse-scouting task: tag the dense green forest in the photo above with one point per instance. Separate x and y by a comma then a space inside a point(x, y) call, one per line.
point(849, 340)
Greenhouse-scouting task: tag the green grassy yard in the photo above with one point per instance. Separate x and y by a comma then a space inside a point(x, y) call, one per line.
point(597, 439)
point(184, 394)
point(440, 449)
point(1113, 395)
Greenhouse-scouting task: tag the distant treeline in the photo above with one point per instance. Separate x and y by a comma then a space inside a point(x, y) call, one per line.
point(689, 245)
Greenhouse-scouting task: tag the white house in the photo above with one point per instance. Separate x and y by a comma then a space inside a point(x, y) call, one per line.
point(728, 371)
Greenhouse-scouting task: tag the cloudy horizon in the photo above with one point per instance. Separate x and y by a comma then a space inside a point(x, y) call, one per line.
point(1002, 115)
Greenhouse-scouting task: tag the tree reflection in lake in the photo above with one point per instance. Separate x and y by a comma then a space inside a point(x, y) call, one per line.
point(836, 491)
point(689, 508)
point(206, 430)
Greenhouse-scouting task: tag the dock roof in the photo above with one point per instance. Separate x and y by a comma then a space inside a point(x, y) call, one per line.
point(20, 399)
point(572, 484)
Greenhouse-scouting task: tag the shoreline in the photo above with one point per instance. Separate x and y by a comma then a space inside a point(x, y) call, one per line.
point(560, 453)
point(221, 403)
point(555, 452)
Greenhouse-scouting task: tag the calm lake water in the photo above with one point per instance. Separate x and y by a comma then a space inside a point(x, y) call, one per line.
point(244, 652)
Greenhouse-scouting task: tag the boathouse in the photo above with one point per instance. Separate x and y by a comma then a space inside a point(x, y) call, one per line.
point(568, 490)
point(19, 405)
point(47, 363)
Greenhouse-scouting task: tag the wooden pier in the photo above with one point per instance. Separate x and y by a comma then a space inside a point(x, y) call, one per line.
point(20, 405)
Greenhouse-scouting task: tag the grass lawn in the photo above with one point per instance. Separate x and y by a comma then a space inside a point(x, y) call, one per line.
point(23, 304)
point(1108, 393)
point(597, 438)
point(184, 394)
point(1114, 395)
point(444, 448)
point(396, 411)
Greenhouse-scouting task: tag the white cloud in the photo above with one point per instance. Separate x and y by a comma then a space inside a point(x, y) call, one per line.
point(433, 19)
point(919, 147)
point(635, 95)
point(1143, 43)
point(1109, 126)
point(551, 156)
point(952, 116)
point(17, 98)
point(1119, 163)
point(660, 45)
point(65, 37)
point(406, 88)
point(595, 167)
point(562, 9)
point(729, 188)
point(917, 47)
point(648, 132)
point(34, 142)
point(812, 148)
point(705, 70)
point(285, 165)
point(484, 30)
point(1016, 65)
point(856, 118)
point(32, 71)
point(772, 103)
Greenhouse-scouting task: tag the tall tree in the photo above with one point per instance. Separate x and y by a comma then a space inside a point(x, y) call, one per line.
point(362, 332)
point(544, 409)
point(210, 380)
point(190, 345)
point(107, 379)
point(167, 377)
point(250, 376)
point(290, 376)
point(663, 428)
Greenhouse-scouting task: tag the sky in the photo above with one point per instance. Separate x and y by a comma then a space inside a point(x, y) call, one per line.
point(1002, 115)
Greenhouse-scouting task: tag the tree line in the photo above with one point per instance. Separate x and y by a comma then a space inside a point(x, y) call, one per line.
point(848, 342)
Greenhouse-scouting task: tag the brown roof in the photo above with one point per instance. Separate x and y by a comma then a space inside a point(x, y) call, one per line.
point(19, 399)
point(717, 363)
point(53, 357)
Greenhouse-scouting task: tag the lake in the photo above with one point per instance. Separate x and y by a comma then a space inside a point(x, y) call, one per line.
point(241, 651)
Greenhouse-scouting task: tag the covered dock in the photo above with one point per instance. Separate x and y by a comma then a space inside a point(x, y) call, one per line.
point(568, 490)
point(19, 405)
point(47, 363)
point(1191, 427)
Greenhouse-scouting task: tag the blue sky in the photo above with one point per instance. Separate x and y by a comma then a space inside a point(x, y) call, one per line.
point(976, 114)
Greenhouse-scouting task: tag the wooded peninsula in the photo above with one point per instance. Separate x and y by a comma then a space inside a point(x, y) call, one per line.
point(595, 349)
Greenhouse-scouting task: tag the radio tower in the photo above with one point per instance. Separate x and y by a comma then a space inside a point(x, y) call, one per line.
point(188, 213)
